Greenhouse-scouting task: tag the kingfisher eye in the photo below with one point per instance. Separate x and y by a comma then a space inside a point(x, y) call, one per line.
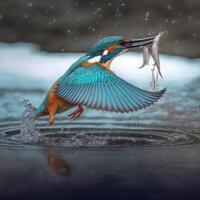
point(105, 52)
point(124, 43)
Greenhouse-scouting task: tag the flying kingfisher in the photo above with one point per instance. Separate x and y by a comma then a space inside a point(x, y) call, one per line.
point(90, 82)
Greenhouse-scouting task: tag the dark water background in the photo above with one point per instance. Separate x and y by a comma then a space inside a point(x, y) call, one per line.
point(136, 173)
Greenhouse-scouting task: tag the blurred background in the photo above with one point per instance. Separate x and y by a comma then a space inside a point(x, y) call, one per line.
point(74, 25)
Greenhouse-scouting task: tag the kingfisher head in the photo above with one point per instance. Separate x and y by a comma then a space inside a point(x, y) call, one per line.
point(109, 47)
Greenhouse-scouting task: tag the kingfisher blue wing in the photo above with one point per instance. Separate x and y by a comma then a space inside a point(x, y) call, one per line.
point(100, 89)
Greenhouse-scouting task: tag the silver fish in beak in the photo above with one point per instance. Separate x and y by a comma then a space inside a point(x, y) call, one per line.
point(154, 52)
point(146, 57)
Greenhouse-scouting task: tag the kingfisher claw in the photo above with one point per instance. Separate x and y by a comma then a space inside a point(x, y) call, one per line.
point(74, 115)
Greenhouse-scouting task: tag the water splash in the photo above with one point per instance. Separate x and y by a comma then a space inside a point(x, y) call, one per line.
point(29, 132)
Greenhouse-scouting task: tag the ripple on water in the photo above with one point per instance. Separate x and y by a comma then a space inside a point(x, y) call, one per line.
point(93, 136)
point(88, 135)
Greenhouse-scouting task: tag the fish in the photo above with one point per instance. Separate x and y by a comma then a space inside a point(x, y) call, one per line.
point(146, 57)
point(154, 52)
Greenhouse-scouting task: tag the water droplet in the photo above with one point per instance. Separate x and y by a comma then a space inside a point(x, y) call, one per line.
point(26, 16)
point(76, 4)
point(194, 34)
point(173, 21)
point(169, 7)
point(30, 4)
point(147, 16)
point(92, 3)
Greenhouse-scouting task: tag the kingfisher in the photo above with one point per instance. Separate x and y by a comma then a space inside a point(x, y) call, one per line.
point(90, 83)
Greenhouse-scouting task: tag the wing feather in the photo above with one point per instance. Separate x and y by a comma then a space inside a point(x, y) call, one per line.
point(113, 96)
point(98, 88)
point(128, 98)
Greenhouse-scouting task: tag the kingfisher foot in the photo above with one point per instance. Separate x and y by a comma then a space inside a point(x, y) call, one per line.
point(77, 112)
point(51, 120)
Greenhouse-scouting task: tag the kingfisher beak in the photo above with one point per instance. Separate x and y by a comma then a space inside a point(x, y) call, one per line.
point(138, 42)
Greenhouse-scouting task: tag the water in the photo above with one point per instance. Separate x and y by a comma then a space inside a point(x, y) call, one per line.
point(150, 154)
point(90, 135)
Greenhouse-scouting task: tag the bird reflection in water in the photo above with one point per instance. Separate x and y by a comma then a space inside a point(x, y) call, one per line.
point(58, 164)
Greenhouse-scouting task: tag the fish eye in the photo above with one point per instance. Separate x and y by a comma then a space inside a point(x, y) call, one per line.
point(105, 52)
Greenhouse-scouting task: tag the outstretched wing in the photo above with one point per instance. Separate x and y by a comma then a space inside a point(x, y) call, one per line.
point(97, 88)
